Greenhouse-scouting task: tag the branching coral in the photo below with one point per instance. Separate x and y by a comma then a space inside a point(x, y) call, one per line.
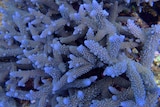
point(76, 53)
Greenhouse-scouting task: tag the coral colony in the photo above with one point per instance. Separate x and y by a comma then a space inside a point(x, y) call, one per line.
point(76, 53)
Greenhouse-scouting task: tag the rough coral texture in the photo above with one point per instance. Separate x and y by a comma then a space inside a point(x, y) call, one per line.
point(76, 53)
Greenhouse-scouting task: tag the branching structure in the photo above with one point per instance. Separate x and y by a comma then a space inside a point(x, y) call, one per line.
point(76, 53)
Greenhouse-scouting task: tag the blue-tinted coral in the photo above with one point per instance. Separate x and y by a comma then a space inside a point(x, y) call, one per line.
point(76, 53)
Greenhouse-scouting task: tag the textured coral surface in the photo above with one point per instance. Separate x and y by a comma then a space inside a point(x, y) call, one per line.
point(78, 53)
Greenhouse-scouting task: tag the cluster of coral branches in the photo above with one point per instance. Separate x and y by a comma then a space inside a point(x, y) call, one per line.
point(76, 53)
